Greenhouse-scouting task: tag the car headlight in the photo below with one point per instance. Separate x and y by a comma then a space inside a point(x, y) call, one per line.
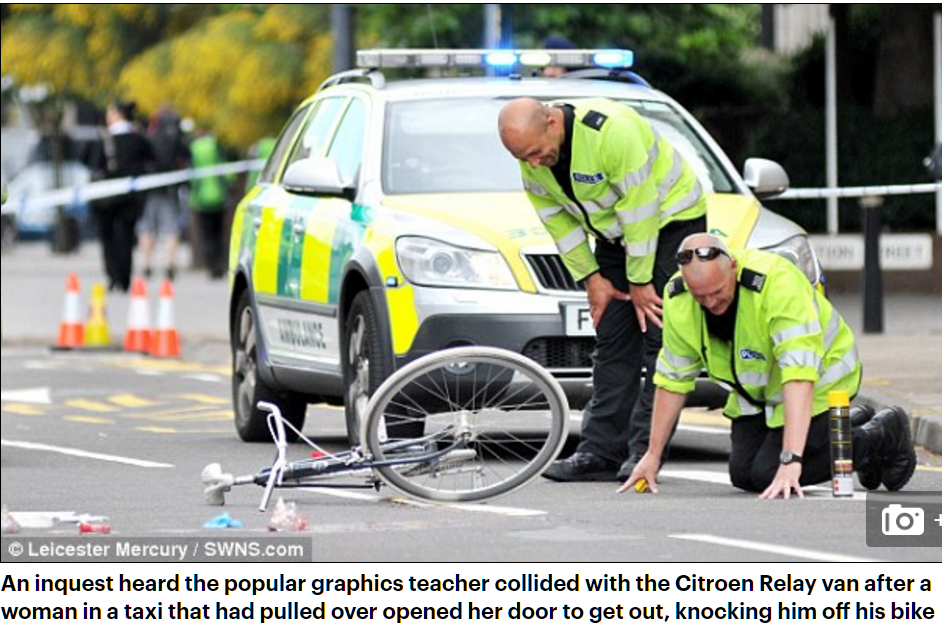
point(426, 261)
point(798, 250)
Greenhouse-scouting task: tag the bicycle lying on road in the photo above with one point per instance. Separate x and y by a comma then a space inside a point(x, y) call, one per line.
point(463, 424)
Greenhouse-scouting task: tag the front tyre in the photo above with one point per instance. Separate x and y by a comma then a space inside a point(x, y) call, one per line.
point(466, 424)
point(248, 389)
point(366, 362)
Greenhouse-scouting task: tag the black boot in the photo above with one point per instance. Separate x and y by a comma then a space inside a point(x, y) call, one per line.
point(582, 466)
point(860, 415)
point(891, 442)
point(868, 467)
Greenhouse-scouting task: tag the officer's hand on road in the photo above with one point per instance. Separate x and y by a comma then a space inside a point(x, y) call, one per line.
point(600, 292)
point(645, 470)
point(647, 305)
point(786, 481)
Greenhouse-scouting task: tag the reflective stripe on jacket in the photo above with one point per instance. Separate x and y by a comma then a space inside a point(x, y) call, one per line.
point(785, 331)
point(628, 182)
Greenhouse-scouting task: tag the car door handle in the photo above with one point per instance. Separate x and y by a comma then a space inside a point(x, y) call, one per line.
point(257, 224)
point(298, 229)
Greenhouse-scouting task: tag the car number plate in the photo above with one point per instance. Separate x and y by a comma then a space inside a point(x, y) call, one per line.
point(578, 320)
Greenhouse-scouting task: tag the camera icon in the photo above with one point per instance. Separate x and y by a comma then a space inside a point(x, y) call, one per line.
point(903, 521)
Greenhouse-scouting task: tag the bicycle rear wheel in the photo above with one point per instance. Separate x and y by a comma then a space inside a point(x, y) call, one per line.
point(485, 420)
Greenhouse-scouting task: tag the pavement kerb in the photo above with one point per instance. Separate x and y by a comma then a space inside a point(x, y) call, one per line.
point(926, 430)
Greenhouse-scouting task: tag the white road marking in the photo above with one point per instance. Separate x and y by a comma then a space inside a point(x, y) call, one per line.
point(36, 520)
point(697, 429)
point(824, 492)
point(37, 396)
point(206, 378)
point(461, 507)
point(697, 475)
point(722, 478)
point(782, 550)
point(32, 446)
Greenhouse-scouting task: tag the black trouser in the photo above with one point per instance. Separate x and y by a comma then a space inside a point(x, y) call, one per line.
point(616, 423)
point(753, 458)
point(116, 230)
point(211, 236)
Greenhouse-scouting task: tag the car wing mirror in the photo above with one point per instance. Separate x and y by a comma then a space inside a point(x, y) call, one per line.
point(765, 178)
point(317, 176)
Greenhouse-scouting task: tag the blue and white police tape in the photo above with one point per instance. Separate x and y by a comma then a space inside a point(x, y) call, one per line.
point(114, 187)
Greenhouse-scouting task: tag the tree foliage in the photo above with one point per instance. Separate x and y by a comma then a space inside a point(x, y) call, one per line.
point(679, 47)
point(238, 69)
point(235, 69)
point(77, 48)
point(238, 73)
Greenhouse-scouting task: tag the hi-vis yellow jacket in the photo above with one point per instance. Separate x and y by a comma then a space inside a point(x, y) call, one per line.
point(628, 182)
point(785, 331)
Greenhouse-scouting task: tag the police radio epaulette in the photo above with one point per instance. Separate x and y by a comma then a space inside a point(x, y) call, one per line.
point(594, 119)
point(675, 287)
point(752, 280)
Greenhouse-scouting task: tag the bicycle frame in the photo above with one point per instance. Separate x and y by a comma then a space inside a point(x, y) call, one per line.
point(282, 472)
point(455, 425)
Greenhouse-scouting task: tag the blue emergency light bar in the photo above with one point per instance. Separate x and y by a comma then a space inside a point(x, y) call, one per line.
point(483, 58)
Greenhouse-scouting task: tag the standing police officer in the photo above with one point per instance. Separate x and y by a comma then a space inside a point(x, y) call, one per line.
point(756, 324)
point(595, 169)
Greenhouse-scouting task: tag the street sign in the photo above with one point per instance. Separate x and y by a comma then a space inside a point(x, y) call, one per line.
point(898, 252)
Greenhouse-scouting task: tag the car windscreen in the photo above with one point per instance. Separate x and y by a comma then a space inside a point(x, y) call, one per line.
point(452, 145)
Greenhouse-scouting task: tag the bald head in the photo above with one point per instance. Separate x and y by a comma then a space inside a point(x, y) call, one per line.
point(531, 131)
point(712, 283)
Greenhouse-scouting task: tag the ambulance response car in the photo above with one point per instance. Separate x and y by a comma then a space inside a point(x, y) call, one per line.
point(390, 222)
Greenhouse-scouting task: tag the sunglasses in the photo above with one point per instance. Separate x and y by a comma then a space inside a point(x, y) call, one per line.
point(705, 253)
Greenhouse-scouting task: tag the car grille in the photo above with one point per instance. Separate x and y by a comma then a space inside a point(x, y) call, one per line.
point(552, 274)
point(561, 352)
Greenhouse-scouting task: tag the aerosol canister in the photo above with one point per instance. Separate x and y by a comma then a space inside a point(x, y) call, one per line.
point(842, 460)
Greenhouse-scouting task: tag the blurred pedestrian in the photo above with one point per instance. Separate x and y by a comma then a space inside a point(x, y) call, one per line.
point(122, 152)
point(161, 220)
point(208, 195)
point(261, 150)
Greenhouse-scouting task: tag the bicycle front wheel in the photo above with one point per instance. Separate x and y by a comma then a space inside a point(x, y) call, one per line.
point(471, 423)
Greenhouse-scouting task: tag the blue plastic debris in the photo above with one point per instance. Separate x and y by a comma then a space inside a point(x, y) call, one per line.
point(223, 521)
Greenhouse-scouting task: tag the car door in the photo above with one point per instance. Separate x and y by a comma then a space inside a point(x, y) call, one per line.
point(259, 223)
point(331, 233)
point(290, 326)
point(315, 240)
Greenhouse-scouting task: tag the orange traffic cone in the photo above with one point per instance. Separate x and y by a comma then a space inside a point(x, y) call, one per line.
point(71, 330)
point(137, 335)
point(96, 328)
point(165, 341)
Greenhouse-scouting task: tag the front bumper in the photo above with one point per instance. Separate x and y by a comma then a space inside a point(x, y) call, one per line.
point(540, 338)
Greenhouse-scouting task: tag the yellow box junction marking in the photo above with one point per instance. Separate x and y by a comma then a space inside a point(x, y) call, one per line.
point(132, 401)
point(88, 420)
point(90, 405)
point(24, 410)
point(204, 399)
